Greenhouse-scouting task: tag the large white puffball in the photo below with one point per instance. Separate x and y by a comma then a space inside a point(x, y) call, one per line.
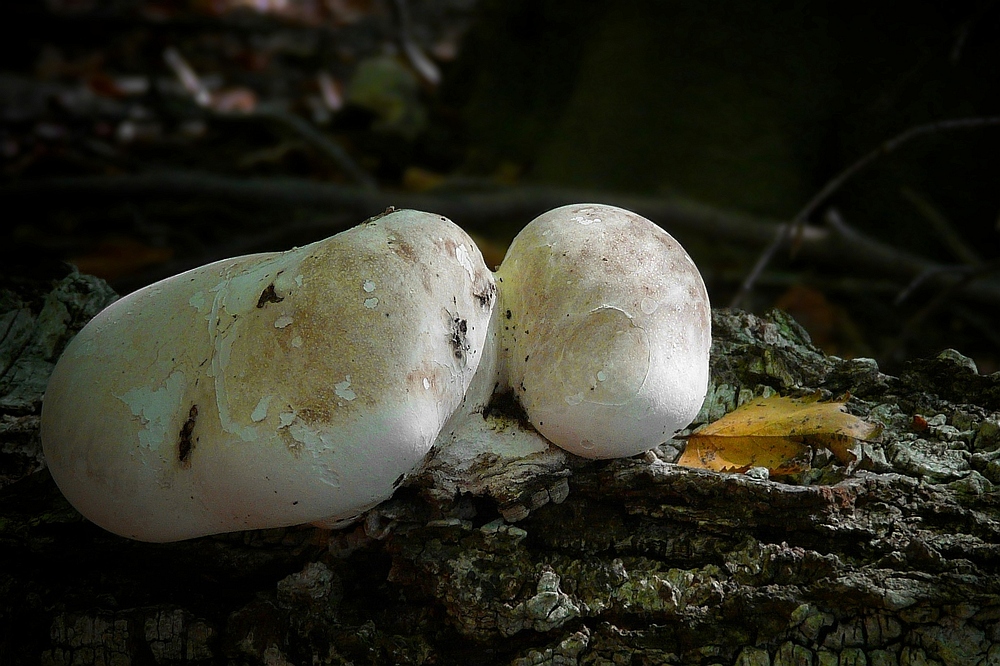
point(272, 389)
point(605, 330)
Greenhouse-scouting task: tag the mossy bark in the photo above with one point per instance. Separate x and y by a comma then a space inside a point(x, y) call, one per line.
point(642, 562)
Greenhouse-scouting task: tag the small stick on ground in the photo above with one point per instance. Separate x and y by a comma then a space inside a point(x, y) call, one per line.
point(793, 230)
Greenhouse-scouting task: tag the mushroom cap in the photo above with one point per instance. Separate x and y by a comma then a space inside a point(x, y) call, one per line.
point(271, 389)
point(607, 330)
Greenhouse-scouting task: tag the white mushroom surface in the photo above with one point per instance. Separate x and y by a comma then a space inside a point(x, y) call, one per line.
point(305, 386)
point(271, 389)
point(605, 330)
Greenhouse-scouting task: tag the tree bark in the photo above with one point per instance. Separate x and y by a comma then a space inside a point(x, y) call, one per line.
point(545, 559)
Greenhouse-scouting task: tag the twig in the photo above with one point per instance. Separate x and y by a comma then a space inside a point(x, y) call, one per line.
point(984, 324)
point(187, 76)
point(497, 212)
point(966, 28)
point(887, 147)
point(845, 284)
point(853, 247)
point(943, 227)
point(423, 65)
point(956, 48)
point(331, 149)
point(940, 300)
point(794, 229)
point(322, 143)
point(926, 276)
point(780, 238)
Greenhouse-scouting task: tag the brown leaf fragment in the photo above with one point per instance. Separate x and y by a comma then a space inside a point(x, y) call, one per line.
point(778, 433)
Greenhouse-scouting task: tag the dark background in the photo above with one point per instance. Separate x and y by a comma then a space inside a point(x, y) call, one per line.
point(742, 107)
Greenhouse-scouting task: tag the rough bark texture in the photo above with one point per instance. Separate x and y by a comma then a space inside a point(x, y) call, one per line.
point(633, 561)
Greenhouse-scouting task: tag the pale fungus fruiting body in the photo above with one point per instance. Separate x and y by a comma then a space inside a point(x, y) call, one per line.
point(272, 389)
point(305, 386)
point(606, 330)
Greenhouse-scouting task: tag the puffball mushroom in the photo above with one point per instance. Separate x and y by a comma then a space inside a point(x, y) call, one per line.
point(606, 329)
point(304, 386)
point(271, 389)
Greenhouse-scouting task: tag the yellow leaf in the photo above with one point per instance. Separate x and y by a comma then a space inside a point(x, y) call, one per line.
point(777, 433)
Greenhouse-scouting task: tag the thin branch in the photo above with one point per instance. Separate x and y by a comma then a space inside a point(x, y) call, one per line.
point(944, 228)
point(956, 48)
point(952, 279)
point(324, 144)
point(852, 248)
point(506, 209)
point(885, 148)
point(794, 229)
point(498, 213)
point(965, 274)
point(331, 149)
point(423, 65)
point(927, 275)
point(780, 238)
point(943, 298)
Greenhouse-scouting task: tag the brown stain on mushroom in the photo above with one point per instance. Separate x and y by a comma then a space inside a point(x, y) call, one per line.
point(185, 444)
point(436, 376)
point(320, 410)
point(404, 250)
point(294, 446)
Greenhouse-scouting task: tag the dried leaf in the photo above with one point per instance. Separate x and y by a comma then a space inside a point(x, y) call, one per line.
point(778, 433)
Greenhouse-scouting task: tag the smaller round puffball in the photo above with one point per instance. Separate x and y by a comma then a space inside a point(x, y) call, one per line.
point(605, 330)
